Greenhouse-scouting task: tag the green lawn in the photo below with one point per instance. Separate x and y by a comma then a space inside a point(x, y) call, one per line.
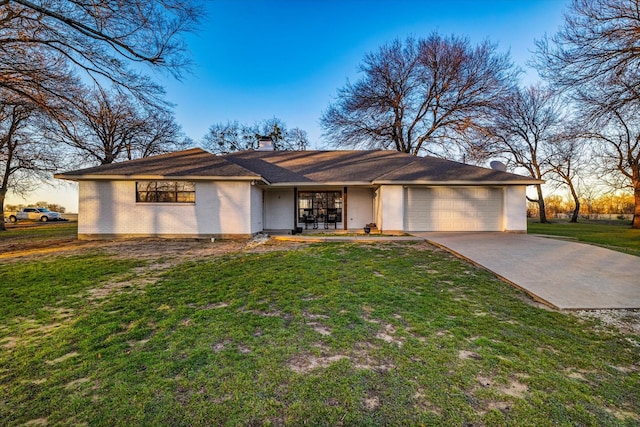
point(32, 232)
point(325, 334)
point(616, 235)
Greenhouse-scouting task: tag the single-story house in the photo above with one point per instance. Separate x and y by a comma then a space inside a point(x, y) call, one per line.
point(194, 193)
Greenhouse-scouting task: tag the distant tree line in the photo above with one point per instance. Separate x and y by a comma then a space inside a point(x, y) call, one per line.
point(51, 206)
point(611, 204)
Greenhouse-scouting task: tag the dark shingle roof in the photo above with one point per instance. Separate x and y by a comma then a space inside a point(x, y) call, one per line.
point(434, 169)
point(318, 166)
point(365, 166)
point(302, 167)
point(193, 163)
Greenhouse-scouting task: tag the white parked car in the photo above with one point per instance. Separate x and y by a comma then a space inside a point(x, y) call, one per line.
point(36, 214)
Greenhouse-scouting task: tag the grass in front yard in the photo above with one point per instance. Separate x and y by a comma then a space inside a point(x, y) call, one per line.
point(41, 288)
point(329, 334)
point(28, 232)
point(617, 235)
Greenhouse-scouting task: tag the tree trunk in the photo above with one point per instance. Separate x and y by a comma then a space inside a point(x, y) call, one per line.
point(636, 197)
point(576, 201)
point(541, 207)
point(3, 193)
point(576, 211)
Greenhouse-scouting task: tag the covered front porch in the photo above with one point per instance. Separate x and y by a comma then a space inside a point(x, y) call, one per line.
point(316, 209)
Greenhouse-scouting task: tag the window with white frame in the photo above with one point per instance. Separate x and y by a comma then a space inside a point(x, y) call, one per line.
point(165, 192)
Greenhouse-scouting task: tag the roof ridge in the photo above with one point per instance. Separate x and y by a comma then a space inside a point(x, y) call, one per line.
point(161, 155)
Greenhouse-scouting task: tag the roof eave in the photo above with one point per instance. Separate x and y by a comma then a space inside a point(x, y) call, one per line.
point(322, 184)
point(103, 177)
point(470, 183)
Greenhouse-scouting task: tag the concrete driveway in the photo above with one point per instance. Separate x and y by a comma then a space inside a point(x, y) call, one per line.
point(563, 274)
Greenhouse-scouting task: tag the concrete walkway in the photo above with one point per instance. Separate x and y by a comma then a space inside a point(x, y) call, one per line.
point(563, 274)
point(337, 238)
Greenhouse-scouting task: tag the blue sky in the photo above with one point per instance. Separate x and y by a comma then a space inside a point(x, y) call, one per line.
point(258, 59)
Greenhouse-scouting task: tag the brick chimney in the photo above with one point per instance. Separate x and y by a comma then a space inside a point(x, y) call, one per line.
point(265, 143)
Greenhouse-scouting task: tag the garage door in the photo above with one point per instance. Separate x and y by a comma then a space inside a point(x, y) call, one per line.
point(453, 209)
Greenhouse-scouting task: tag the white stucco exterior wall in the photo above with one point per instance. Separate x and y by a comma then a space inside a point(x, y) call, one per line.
point(221, 209)
point(391, 208)
point(515, 208)
point(256, 209)
point(278, 209)
point(359, 207)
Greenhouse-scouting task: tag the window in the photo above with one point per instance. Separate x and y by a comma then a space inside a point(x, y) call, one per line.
point(165, 192)
point(320, 205)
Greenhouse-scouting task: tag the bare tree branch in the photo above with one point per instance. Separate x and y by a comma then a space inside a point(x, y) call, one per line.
point(524, 127)
point(108, 126)
point(22, 155)
point(100, 39)
point(595, 58)
point(419, 96)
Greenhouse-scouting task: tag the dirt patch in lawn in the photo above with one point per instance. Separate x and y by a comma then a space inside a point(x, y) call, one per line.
point(11, 252)
point(360, 358)
point(158, 251)
point(62, 358)
point(37, 422)
point(306, 363)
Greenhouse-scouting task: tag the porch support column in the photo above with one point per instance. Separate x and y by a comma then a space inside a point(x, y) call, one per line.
point(345, 212)
point(295, 207)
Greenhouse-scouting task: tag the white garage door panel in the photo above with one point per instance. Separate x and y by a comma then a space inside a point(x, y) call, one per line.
point(454, 209)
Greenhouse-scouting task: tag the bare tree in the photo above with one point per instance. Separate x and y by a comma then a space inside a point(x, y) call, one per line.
point(101, 39)
point(21, 156)
point(283, 139)
point(597, 45)
point(47, 47)
point(161, 134)
point(229, 137)
point(103, 127)
point(419, 96)
point(595, 58)
point(297, 139)
point(616, 132)
point(565, 162)
point(525, 125)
